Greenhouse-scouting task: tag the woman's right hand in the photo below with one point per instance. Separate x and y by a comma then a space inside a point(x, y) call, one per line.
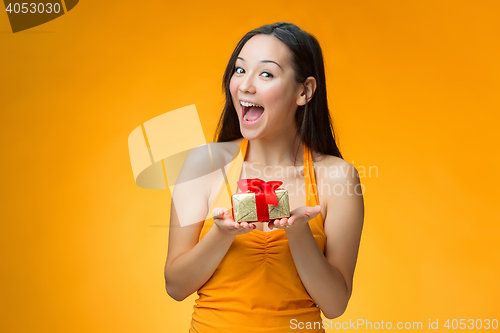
point(224, 220)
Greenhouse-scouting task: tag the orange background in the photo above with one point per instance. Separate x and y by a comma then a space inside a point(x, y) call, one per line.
point(413, 90)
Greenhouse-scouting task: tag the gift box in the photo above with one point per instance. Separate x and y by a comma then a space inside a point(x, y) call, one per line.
point(260, 201)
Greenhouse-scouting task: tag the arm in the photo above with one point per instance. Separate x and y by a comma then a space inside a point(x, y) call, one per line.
point(190, 263)
point(328, 278)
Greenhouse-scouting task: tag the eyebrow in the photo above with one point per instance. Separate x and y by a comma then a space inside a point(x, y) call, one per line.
point(274, 62)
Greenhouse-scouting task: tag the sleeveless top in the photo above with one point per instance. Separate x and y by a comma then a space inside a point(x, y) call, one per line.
point(256, 287)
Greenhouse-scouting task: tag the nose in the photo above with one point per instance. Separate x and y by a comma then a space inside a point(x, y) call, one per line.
point(246, 85)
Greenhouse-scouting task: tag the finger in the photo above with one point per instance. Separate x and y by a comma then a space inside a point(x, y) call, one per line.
point(313, 210)
point(218, 213)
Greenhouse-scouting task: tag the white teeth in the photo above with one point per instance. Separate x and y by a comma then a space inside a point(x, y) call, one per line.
point(250, 104)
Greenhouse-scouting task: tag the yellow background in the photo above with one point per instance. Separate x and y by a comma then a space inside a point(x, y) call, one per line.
point(413, 89)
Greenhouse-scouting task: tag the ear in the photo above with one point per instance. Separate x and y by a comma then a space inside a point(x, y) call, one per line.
point(306, 91)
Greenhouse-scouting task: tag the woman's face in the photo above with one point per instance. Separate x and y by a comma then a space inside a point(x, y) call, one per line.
point(264, 76)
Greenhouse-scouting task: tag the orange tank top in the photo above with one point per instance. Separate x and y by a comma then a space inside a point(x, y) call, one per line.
point(256, 287)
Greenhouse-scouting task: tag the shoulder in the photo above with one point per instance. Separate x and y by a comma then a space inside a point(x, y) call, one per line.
point(215, 154)
point(222, 153)
point(197, 161)
point(333, 169)
point(338, 184)
point(237, 141)
point(200, 164)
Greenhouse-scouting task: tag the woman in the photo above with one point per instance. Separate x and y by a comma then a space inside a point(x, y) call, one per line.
point(274, 276)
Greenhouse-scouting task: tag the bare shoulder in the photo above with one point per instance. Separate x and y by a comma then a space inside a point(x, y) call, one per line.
point(231, 146)
point(334, 169)
point(237, 141)
point(336, 180)
point(200, 167)
point(210, 156)
point(223, 152)
point(220, 155)
point(196, 164)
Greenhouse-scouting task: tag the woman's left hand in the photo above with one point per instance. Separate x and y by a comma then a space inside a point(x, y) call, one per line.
point(298, 217)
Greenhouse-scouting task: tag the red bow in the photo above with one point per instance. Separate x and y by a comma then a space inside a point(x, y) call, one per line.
point(261, 187)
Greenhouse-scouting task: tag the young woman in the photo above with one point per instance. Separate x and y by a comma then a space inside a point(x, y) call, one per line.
point(275, 276)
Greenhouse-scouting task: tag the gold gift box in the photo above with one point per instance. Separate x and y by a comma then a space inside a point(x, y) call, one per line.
point(245, 207)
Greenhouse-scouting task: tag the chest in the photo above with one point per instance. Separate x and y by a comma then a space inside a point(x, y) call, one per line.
point(293, 179)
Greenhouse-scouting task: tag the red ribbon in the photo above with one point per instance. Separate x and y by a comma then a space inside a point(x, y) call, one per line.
point(265, 194)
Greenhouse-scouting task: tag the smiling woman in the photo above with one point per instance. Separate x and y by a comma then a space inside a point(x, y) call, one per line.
point(261, 277)
point(259, 75)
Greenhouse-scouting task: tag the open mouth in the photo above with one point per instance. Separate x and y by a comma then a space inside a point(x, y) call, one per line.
point(251, 113)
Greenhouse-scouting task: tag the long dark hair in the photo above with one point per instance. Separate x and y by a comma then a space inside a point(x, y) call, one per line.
point(313, 119)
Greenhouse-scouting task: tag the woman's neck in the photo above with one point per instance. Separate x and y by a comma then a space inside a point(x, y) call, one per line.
point(277, 151)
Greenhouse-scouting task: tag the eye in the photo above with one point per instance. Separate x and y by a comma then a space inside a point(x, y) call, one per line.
point(239, 70)
point(269, 74)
